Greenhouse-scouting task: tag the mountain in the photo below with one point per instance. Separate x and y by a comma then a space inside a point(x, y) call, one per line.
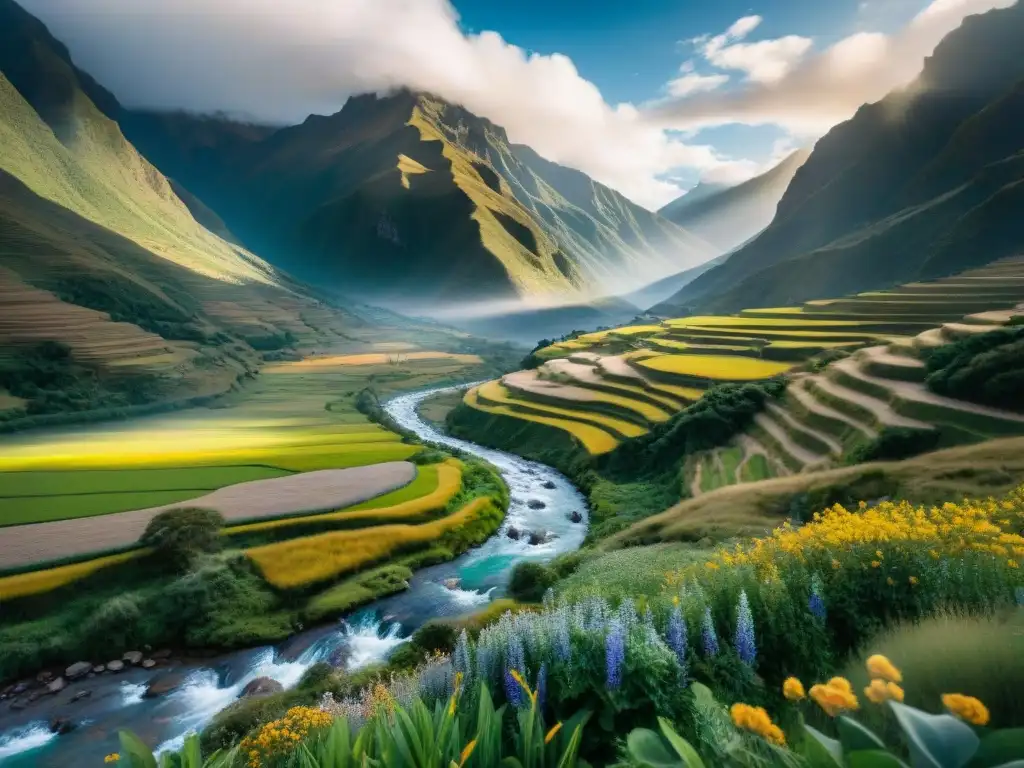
point(656, 292)
point(113, 293)
point(728, 216)
point(924, 183)
point(410, 199)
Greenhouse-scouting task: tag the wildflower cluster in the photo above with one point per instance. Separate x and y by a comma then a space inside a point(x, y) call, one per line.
point(281, 737)
point(967, 708)
point(756, 720)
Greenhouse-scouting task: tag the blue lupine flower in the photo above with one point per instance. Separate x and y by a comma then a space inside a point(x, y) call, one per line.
point(461, 659)
point(513, 692)
point(614, 655)
point(542, 686)
point(746, 647)
point(677, 637)
point(816, 603)
point(562, 642)
point(627, 614)
point(707, 634)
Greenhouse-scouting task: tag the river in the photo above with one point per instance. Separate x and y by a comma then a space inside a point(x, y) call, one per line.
point(116, 701)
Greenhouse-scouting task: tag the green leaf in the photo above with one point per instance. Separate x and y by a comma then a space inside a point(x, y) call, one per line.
point(856, 737)
point(820, 750)
point(569, 756)
point(873, 758)
point(134, 753)
point(999, 747)
point(682, 747)
point(935, 741)
point(510, 762)
point(648, 749)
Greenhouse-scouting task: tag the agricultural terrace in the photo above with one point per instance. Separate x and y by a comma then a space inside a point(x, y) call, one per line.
point(830, 411)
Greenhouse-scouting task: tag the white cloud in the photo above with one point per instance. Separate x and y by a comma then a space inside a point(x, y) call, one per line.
point(765, 61)
point(694, 83)
point(821, 89)
point(280, 61)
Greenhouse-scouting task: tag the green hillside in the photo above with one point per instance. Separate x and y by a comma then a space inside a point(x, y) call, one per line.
point(448, 207)
point(883, 200)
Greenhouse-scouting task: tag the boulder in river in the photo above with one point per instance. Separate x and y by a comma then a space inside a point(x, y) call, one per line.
point(79, 695)
point(132, 657)
point(99, 669)
point(115, 666)
point(536, 504)
point(540, 537)
point(44, 677)
point(77, 670)
point(148, 664)
point(261, 686)
point(62, 725)
point(452, 583)
point(57, 685)
point(576, 516)
point(513, 533)
point(165, 683)
point(549, 484)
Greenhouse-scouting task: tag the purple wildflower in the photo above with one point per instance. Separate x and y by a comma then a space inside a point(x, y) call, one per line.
point(677, 637)
point(563, 643)
point(746, 646)
point(614, 655)
point(707, 633)
point(513, 692)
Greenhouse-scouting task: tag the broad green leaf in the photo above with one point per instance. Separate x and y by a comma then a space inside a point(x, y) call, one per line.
point(135, 754)
point(855, 737)
point(682, 747)
point(935, 741)
point(648, 749)
point(572, 749)
point(820, 750)
point(999, 747)
point(873, 758)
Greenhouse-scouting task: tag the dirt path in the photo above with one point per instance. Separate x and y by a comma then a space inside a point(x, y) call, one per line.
point(308, 492)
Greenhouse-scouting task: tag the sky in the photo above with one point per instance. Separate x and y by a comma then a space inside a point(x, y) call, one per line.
point(646, 96)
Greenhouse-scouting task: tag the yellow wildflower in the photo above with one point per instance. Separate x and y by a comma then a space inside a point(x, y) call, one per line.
point(890, 582)
point(880, 691)
point(1012, 563)
point(553, 732)
point(113, 757)
point(879, 666)
point(793, 689)
point(834, 699)
point(967, 708)
point(756, 720)
point(875, 564)
point(914, 581)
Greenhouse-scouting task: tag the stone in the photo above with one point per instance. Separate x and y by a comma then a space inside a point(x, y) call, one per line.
point(536, 504)
point(576, 516)
point(57, 685)
point(539, 537)
point(148, 664)
point(21, 687)
point(79, 695)
point(132, 657)
point(452, 583)
point(513, 533)
point(115, 665)
point(549, 484)
point(44, 677)
point(62, 725)
point(165, 683)
point(77, 669)
point(261, 686)
point(18, 704)
point(99, 669)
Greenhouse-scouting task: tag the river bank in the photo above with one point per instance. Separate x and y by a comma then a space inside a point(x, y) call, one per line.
point(542, 500)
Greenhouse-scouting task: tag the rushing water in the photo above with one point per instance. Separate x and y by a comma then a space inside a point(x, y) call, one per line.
point(117, 701)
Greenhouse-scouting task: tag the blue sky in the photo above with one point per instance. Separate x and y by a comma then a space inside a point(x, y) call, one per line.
point(595, 85)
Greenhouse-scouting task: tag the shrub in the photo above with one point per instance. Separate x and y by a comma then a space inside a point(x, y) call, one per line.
point(985, 368)
point(894, 444)
point(180, 536)
point(530, 581)
point(435, 636)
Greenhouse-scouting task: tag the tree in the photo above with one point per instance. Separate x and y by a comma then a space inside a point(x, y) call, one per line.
point(180, 536)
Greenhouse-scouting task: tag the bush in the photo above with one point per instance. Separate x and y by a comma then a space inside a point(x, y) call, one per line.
point(180, 536)
point(985, 368)
point(530, 581)
point(894, 444)
point(435, 636)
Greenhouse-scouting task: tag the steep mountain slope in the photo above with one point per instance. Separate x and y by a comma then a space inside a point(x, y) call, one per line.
point(408, 197)
point(918, 185)
point(100, 255)
point(702, 191)
point(729, 216)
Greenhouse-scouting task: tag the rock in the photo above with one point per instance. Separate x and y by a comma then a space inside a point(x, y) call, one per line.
point(165, 683)
point(62, 725)
point(18, 704)
point(44, 677)
point(261, 686)
point(115, 665)
point(77, 669)
point(35, 695)
point(56, 686)
point(99, 669)
point(79, 695)
point(452, 583)
point(513, 533)
point(21, 687)
point(163, 653)
point(147, 647)
point(148, 664)
point(549, 484)
point(575, 516)
point(536, 504)
point(132, 657)
point(539, 537)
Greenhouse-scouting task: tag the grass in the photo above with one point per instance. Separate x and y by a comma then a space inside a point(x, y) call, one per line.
point(358, 590)
point(731, 458)
point(44, 509)
point(38, 582)
point(314, 559)
point(627, 573)
point(716, 367)
point(755, 468)
point(593, 439)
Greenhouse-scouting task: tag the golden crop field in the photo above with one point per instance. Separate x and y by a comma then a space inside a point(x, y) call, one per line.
point(709, 321)
point(527, 383)
point(627, 330)
point(718, 367)
point(446, 479)
point(496, 393)
point(369, 358)
point(37, 582)
point(595, 440)
point(314, 559)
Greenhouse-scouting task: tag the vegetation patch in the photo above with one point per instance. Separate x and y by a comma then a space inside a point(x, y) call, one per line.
point(986, 368)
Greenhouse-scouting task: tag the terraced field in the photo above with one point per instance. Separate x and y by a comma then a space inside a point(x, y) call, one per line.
point(642, 375)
